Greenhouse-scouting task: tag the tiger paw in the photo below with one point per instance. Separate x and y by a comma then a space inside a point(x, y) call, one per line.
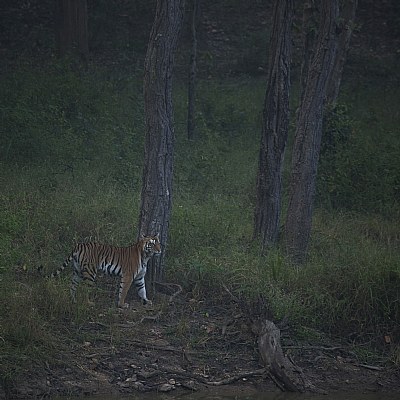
point(123, 306)
point(147, 302)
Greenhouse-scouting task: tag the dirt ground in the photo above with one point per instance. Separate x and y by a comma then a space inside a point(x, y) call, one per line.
point(188, 344)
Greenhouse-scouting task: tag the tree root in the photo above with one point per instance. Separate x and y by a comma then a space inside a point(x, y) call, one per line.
point(168, 286)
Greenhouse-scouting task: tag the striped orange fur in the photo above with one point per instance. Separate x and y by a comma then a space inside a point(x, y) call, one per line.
point(129, 263)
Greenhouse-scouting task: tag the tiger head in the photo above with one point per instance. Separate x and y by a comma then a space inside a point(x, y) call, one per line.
point(150, 245)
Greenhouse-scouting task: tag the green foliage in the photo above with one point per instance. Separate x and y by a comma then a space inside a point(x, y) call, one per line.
point(31, 319)
point(331, 176)
point(357, 290)
point(57, 115)
point(360, 154)
point(222, 158)
point(253, 59)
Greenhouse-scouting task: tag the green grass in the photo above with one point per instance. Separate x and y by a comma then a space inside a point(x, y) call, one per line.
point(71, 159)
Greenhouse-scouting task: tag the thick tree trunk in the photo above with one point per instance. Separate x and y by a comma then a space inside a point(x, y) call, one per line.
point(346, 25)
point(156, 196)
point(310, 22)
point(192, 72)
point(275, 127)
point(71, 27)
point(308, 134)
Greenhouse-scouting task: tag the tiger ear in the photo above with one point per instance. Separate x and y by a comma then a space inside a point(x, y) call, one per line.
point(158, 235)
point(141, 237)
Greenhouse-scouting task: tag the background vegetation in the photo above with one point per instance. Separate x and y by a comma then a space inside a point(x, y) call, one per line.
point(71, 145)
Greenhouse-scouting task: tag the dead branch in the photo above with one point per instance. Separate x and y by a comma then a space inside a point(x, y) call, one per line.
point(371, 367)
point(286, 375)
point(234, 378)
point(314, 348)
point(152, 346)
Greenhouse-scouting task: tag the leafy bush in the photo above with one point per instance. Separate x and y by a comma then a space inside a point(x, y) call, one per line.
point(359, 161)
point(61, 116)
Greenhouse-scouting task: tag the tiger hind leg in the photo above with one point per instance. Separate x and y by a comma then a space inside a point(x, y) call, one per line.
point(124, 286)
point(89, 273)
point(78, 275)
point(76, 278)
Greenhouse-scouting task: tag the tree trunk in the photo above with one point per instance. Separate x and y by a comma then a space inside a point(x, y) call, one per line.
point(309, 30)
point(71, 28)
point(156, 195)
point(346, 25)
point(308, 134)
point(192, 72)
point(275, 127)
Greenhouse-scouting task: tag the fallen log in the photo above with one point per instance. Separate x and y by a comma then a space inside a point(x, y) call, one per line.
point(286, 375)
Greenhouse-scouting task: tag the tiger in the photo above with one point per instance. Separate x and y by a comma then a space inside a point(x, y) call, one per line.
point(129, 263)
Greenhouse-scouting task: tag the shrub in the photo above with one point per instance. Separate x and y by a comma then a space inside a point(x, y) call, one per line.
point(358, 164)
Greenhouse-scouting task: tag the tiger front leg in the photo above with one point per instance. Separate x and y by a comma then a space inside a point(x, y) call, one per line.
point(141, 289)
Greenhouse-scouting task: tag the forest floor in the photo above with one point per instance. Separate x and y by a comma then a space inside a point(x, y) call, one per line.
point(185, 345)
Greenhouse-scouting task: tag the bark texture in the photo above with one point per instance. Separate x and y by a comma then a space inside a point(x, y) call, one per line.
point(308, 133)
point(345, 28)
point(192, 72)
point(274, 128)
point(156, 195)
point(309, 31)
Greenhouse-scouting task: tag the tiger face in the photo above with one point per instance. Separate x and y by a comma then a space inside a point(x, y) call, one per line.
point(151, 245)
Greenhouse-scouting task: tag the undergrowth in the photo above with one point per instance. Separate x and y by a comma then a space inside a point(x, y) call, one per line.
point(71, 157)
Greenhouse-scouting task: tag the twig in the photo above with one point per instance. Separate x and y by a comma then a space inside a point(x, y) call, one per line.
point(234, 378)
point(171, 298)
point(151, 317)
point(313, 348)
point(232, 295)
point(148, 345)
point(371, 367)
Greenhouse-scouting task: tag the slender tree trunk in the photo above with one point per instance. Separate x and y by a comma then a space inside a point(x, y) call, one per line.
point(275, 127)
point(156, 196)
point(345, 27)
point(71, 27)
point(192, 72)
point(308, 134)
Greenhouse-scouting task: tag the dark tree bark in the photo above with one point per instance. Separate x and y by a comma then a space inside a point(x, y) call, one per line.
point(275, 127)
point(71, 28)
point(156, 195)
point(309, 30)
point(308, 133)
point(192, 72)
point(345, 27)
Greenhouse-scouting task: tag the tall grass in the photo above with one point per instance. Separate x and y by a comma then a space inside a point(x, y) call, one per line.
point(71, 158)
